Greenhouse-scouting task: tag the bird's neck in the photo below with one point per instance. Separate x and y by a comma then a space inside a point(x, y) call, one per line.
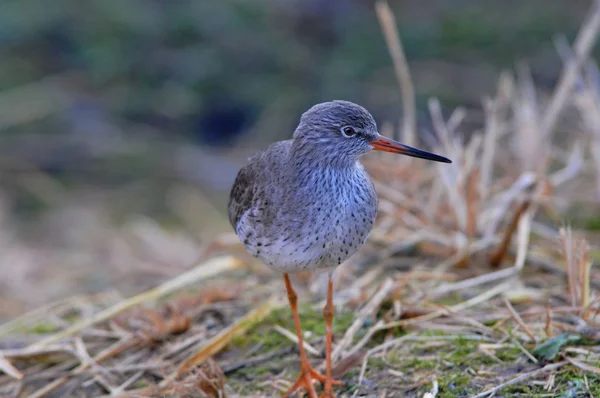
point(317, 172)
point(310, 155)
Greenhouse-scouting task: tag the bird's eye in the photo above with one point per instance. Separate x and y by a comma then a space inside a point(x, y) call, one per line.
point(348, 132)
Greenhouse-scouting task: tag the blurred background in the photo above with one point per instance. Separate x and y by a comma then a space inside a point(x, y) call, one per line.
point(123, 123)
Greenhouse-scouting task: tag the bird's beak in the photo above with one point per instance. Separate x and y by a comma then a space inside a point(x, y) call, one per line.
point(388, 145)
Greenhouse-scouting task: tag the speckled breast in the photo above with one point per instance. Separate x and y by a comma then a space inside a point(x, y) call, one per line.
point(327, 224)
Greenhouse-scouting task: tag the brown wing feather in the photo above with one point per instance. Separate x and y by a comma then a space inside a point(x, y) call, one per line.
point(241, 197)
point(256, 179)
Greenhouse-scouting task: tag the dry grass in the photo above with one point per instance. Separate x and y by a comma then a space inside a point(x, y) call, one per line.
point(469, 285)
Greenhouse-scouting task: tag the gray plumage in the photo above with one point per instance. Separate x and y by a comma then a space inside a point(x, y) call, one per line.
point(307, 202)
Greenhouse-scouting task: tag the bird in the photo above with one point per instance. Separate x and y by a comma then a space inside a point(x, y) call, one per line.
point(307, 203)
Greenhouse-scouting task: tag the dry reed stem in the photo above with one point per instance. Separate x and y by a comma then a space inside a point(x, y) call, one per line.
point(472, 282)
point(39, 313)
point(107, 353)
point(218, 342)
point(8, 368)
point(523, 232)
point(583, 366)
point(522, 378)
point(548, 323)
point(199, 272)
point(493, 109)
point(498, 255)
point(401, 69)
point(576, 254)
point(483, 297)
point(585, 40)
point(517, 318)
point(292, 337)
point(368, 310)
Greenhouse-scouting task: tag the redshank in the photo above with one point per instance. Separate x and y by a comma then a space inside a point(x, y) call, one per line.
point(307, 203)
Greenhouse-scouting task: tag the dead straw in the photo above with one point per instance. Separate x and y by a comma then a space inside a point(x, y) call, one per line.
point(199, 272)
point(401, 69)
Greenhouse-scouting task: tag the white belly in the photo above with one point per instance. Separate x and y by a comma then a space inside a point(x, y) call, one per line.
point(323, 244)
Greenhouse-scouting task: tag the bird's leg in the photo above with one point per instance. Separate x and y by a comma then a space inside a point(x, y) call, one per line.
point(307, 373)
point(328, 316)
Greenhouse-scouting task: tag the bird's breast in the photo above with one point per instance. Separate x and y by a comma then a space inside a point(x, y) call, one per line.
point(320, 224)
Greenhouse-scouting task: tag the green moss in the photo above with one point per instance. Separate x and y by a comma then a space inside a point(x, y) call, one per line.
point(43, 328)
point(524, 389)
point(311, 320)
point(454, 385)
point(141, 384)
point(508, 354)
point(451, 299)
point(450, 362)
point(377, 364)
point(592, 224)
point(571, 381)
point(421, 364)
point(265, 336)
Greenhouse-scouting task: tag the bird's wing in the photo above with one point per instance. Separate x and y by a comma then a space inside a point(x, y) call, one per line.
point(255, 178)
point(242, 195)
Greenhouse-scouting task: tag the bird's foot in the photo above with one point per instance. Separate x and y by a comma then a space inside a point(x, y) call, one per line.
point(326, 394)
point(306, 380)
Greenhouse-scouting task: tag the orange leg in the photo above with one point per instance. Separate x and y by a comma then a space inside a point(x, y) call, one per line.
point(307, 373)
point(328, 316)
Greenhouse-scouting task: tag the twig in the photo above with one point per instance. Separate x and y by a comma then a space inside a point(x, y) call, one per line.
point(523, 232)
point(366, 338)
point(497, 256)
point(523, 377)
point(394, 44)
point(289, 335)
point(201, 271)
point(576, 253)
point(218, 342)
point(109, 352)
point(472, 282)
point(28, 353)
point(9, 369)
point(519, 320)
point(488, 294)
point(524, 350)
point(370, 308)
point(548, 324)
point(583, 44)
point(584, 366)
point(40, 312)
point(256, 360)
point(492, 110)
point(121, 389)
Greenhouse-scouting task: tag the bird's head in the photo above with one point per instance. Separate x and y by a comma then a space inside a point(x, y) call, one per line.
point(339, 132)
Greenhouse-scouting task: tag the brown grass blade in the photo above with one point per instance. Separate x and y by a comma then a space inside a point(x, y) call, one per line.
point(401, 69)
